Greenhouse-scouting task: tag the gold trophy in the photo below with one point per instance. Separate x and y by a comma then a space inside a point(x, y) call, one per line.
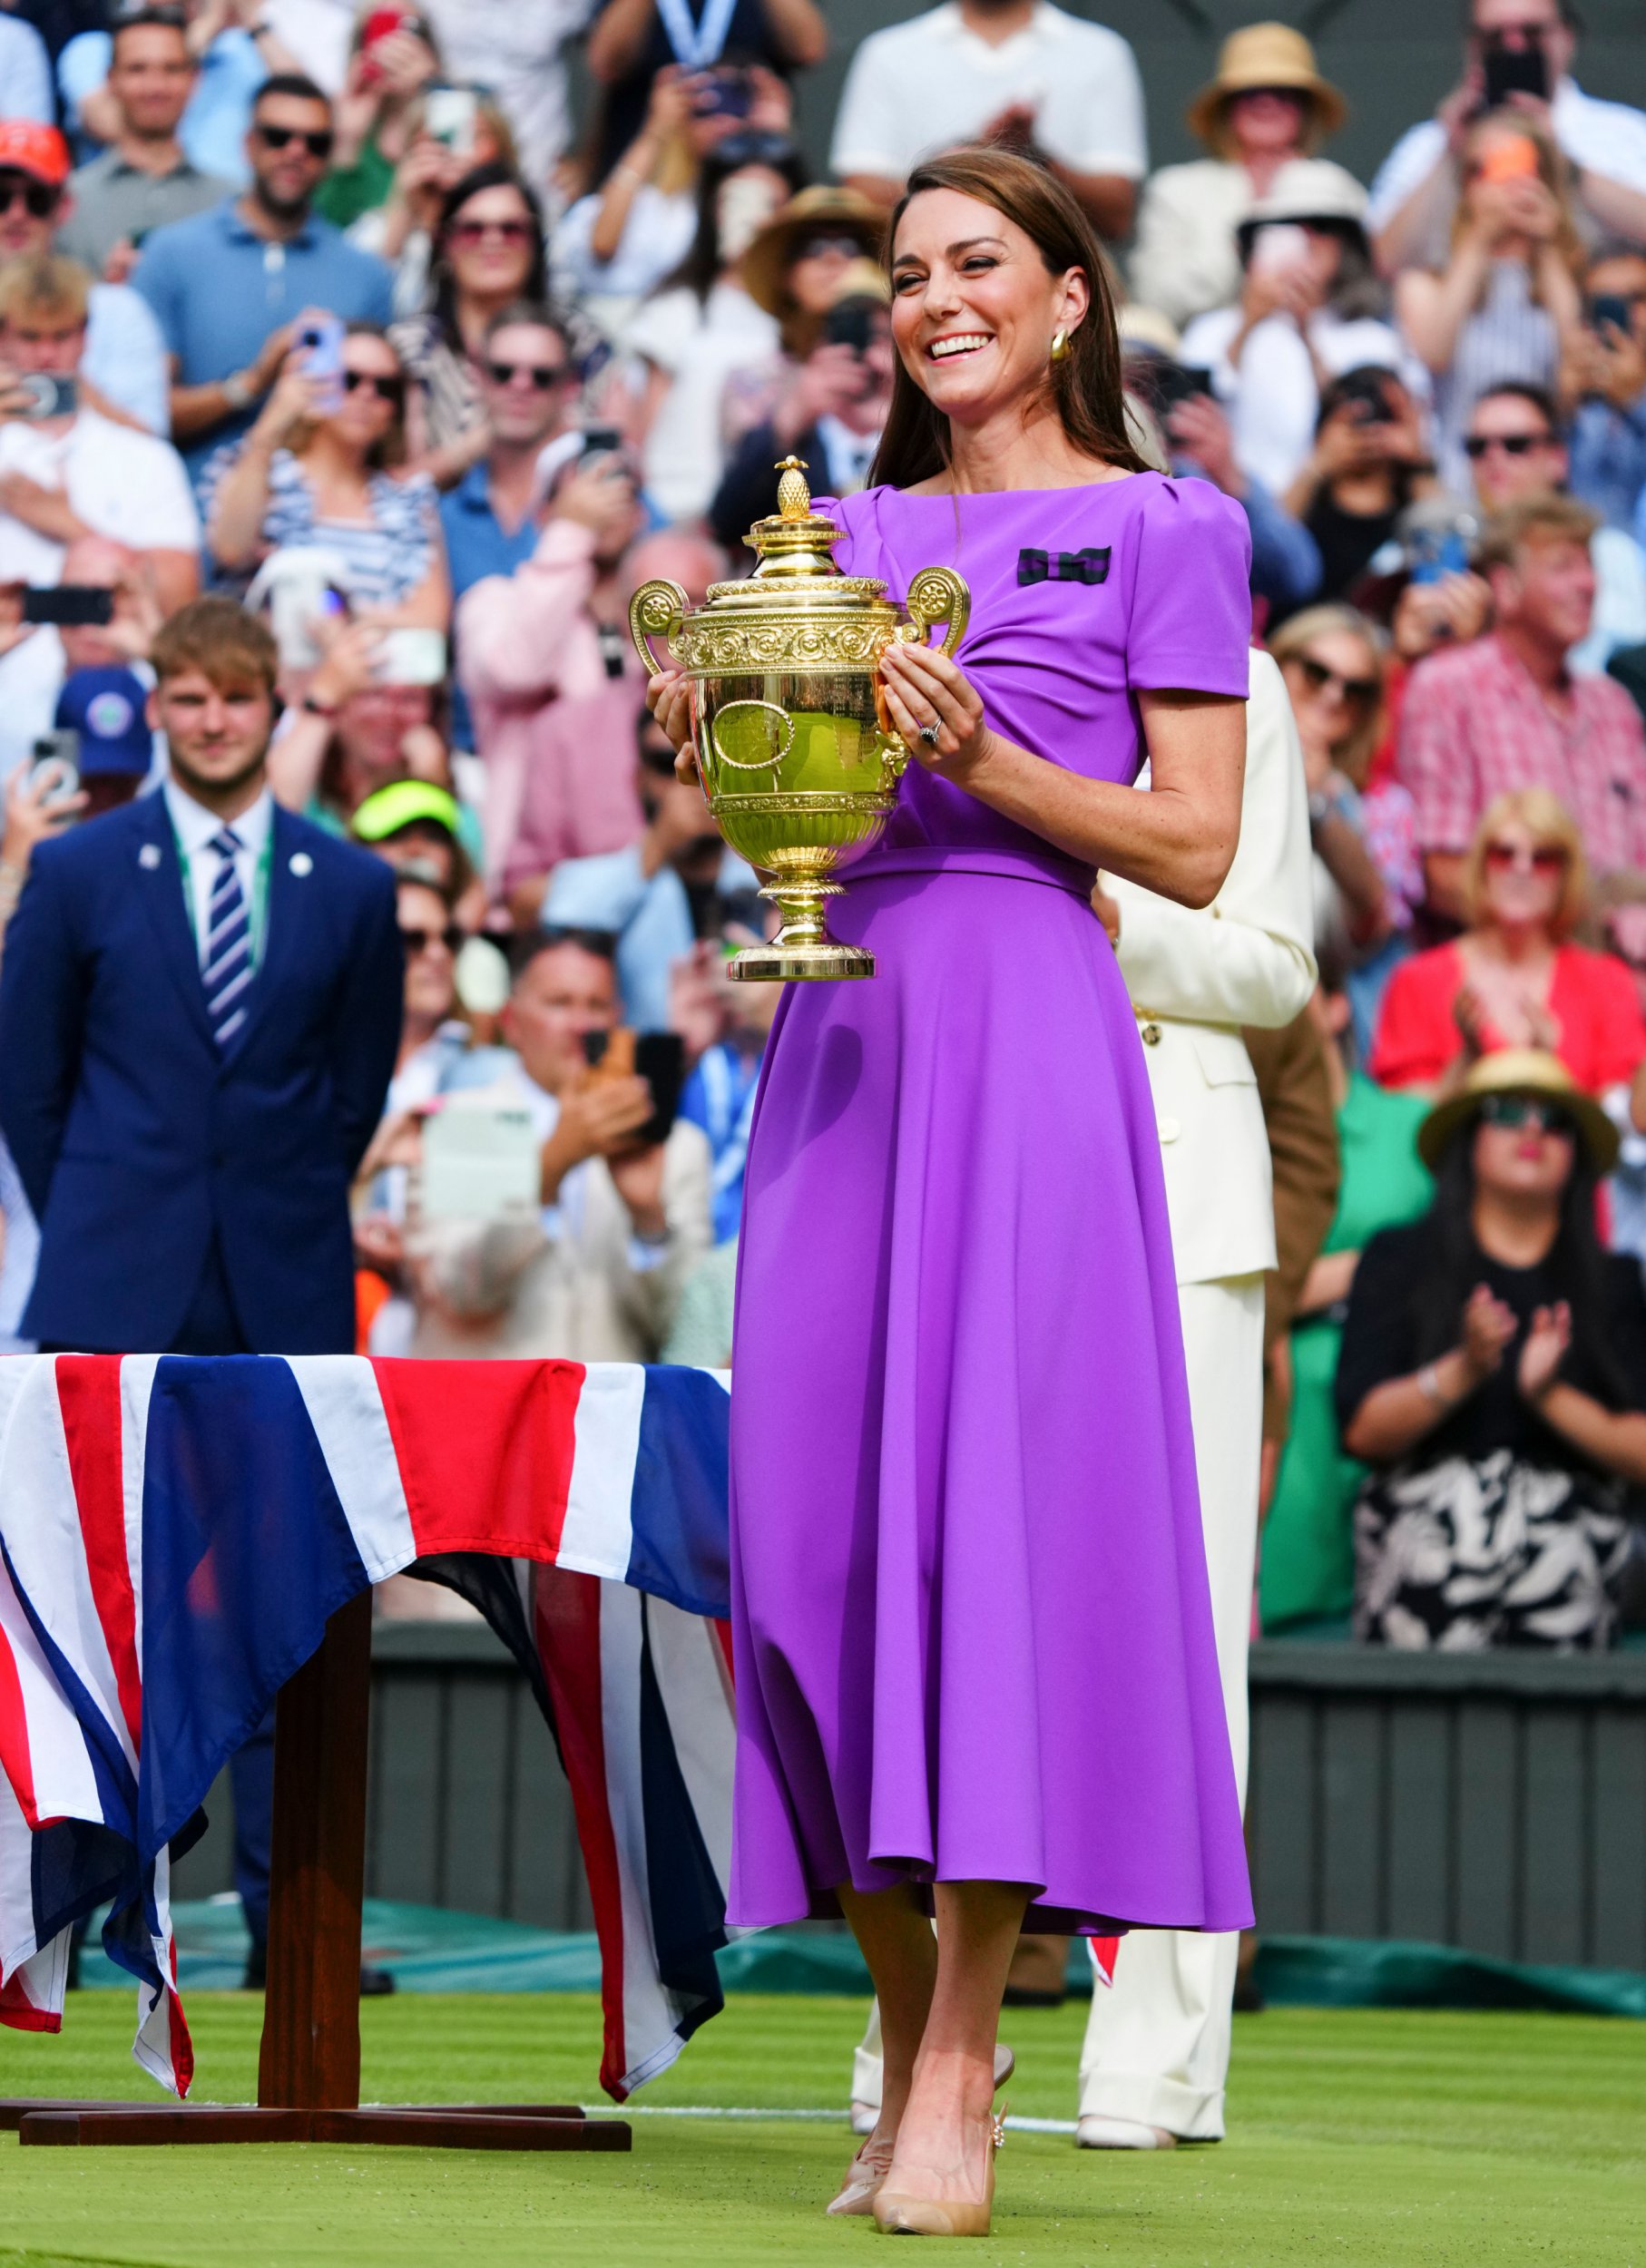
point(799, 762)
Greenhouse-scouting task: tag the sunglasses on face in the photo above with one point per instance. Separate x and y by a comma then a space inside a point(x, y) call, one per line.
point(827, 247)
point(1361, 691)
point(1546, 859)
point(418, 941)
point(473, 232)
point(278, 138)
point(39, 197)
point(390, 390)
point(1516, 1112)
point(544, 376)
point(1512, 443)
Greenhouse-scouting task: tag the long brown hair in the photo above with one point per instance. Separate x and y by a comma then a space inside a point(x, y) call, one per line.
point(1085, 386)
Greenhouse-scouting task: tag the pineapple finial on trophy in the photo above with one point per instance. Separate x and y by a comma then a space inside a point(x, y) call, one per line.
point(794, 497)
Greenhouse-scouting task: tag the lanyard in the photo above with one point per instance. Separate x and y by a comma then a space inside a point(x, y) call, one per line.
point(260, 893)
point(697, 46)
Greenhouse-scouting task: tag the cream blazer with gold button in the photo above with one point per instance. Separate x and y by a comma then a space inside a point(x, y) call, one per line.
point(1196, 977)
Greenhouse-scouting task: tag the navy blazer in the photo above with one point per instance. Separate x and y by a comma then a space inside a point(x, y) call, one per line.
point(136, 1137)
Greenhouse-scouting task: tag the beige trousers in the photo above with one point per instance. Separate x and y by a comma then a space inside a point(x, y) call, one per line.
point(1157, 2040)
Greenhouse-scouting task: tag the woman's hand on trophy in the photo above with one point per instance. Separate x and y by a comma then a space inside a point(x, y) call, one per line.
point(935, 708)
point(669, 698)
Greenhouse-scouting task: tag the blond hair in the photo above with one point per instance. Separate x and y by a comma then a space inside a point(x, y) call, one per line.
point(1353, 755)
point(45, 284)
point(1550, 519)
point(1547, 820)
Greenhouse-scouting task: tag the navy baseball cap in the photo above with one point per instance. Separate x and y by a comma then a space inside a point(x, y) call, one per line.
point(106, 708)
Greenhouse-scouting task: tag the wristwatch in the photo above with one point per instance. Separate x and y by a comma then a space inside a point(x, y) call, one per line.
point(237, 389)
point(319, 708)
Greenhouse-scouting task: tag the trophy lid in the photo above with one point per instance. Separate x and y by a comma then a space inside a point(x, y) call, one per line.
point(796, 542)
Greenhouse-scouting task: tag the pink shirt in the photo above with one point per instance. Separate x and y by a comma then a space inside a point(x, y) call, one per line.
point(1475, 726)
point(556, 732)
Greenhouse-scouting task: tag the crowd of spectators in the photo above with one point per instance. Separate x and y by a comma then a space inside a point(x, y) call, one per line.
point(335, 311)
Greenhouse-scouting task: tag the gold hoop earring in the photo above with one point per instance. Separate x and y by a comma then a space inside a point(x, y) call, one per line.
point(1060, 345)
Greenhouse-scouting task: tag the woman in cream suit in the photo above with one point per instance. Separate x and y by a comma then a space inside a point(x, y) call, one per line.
point(1156, 2045)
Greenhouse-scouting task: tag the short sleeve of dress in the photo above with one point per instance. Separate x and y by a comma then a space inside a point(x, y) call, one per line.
point(1189, 626)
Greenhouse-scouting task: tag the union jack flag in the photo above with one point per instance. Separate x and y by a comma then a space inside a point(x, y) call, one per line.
point(174, 1534)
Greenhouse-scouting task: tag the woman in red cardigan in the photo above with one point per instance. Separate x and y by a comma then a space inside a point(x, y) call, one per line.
point(1514, 978)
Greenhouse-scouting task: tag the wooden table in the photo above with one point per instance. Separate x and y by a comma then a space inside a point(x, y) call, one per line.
point(309, 2069)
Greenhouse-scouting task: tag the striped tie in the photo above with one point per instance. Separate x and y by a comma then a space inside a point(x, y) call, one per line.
point(227, 970)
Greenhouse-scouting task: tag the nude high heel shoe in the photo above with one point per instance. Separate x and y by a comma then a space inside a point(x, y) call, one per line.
point(898, 2215)
point(864, 2177)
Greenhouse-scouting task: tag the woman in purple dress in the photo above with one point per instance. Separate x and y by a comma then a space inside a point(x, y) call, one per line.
point(973, 1653)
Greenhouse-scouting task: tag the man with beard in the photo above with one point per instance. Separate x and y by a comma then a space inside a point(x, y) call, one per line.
point(229, 285)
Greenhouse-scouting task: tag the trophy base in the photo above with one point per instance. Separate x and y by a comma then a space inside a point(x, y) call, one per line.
point(780, 964)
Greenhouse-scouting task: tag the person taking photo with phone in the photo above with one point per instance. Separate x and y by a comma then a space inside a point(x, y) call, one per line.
point(1605, 378)
point(1516, 54)
point(67, 470)
point(624, 1185)
point(325, 464)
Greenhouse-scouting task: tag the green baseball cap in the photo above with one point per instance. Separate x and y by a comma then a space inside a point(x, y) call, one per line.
point(402, 804)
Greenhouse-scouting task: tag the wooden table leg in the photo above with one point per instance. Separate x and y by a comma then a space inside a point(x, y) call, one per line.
point(309, 2069)
point(310, 2058)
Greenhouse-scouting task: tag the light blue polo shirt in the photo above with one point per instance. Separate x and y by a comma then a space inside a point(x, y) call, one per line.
point(217, 290)
point(212, 130)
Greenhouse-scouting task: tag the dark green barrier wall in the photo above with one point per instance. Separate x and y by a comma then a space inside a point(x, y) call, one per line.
point(1496, 1803)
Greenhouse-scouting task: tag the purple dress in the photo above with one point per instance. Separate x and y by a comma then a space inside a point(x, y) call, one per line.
point(971, 1628)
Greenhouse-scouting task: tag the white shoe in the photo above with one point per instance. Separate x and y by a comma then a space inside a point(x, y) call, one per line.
point(866, 2116)
point(1093, 2133)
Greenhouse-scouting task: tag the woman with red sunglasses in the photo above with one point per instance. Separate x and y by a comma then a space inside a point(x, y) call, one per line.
point(488, 254)
point(1514, 978)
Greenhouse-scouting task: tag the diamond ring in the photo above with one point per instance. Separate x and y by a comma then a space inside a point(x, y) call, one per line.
point(929, 734)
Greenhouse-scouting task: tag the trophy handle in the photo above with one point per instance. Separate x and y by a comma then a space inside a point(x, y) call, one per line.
point(656, 610)
point(937, 594)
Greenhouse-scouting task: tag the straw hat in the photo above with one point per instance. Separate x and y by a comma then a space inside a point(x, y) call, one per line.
point(863, 278)
point(1519, 1071)
point(1266, 56)
point(816, 212)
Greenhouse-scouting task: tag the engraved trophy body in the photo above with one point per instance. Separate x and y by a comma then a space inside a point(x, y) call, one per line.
point(799, 761)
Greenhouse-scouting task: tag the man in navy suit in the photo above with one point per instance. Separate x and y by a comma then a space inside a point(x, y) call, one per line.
point(199, 1016)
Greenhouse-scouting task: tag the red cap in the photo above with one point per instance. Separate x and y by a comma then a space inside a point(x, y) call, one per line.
point(28, 147)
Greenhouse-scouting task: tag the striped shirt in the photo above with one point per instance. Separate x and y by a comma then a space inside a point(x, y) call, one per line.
point(383, 561)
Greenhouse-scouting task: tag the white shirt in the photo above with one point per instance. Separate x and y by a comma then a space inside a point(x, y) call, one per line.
point(1273, 396)
point(196, 829)
point(1607, 138)
point(698, 348)
point(926, 85)
point(128, 485)
point(25, 73)
point(126, 354)
point(514, 50)
point(848, 454)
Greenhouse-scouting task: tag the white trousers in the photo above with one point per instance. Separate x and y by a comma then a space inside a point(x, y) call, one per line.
point(1157, 2040)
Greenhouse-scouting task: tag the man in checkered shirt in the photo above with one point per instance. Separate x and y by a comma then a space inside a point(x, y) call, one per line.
point(1504, 711)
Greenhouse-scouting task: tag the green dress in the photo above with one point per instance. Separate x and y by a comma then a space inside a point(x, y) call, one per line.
point(1306, 1572)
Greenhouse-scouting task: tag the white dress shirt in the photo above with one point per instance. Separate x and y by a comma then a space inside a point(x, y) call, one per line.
point(929, 84)
point(196, 828)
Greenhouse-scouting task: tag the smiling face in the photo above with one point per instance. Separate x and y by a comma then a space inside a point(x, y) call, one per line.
point(372, 396)
point(1333, 684)
point(1523, 877)
point(973, 309)
point(491, 243)
point(1531, 1159)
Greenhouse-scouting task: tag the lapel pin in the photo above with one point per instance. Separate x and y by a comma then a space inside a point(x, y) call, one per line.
point(149, 856)
point(302, 863)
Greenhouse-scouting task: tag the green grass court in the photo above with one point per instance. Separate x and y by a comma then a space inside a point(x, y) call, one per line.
point(1361, 2137)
